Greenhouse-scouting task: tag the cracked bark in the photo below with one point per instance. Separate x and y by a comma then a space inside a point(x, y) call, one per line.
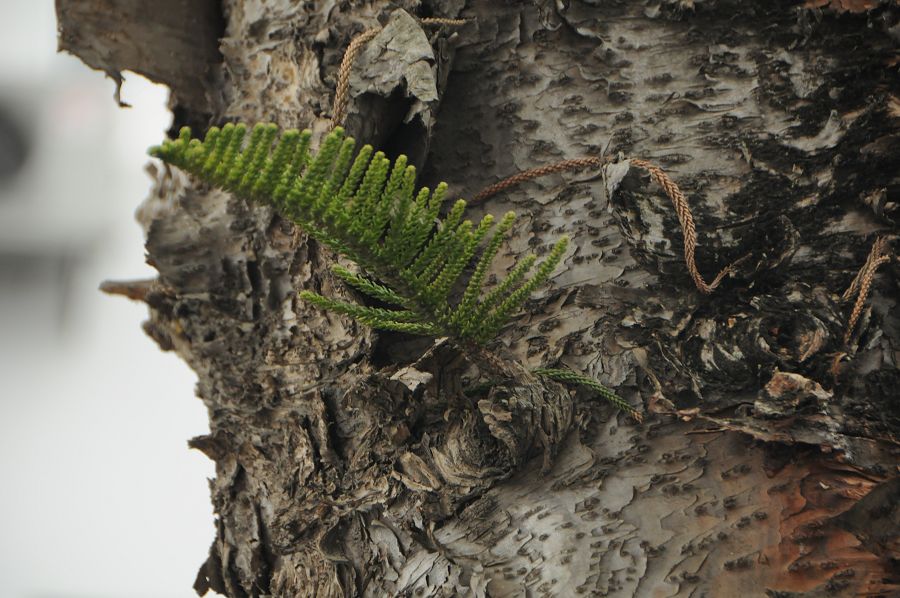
point(351, 463)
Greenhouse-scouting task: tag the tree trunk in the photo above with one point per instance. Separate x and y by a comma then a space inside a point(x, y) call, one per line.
point(352, 463)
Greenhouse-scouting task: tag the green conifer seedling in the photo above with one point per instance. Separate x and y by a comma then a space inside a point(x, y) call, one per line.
point(362, 206)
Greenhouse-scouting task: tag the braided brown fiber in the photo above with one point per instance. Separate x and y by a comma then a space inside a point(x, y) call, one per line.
point(878, 255)
point(343, 84)
point(443, 21)
point(685, 218)
point(687, 225)
point(341, 96)
point(533, 173)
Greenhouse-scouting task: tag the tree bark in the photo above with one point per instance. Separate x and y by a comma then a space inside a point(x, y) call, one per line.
point(351, 463)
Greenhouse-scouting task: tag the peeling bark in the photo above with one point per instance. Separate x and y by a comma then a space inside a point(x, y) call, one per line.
point(351, 463)
point(174, 42)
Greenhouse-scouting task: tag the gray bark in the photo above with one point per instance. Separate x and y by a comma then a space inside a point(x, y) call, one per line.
point(351, 463)
point(173, 42)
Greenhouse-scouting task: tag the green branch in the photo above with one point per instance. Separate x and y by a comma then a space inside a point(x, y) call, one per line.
point(360, 205)
point(571, 377)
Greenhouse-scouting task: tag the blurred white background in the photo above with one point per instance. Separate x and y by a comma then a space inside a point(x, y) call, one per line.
point(99, 494)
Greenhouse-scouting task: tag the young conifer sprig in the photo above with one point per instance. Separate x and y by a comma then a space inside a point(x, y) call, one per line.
point(570, 377)
point(360, 205)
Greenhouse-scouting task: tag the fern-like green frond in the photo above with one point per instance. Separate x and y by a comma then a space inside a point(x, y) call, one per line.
point(368, 287)
point(362, 206)
point(571, 377)
point(385, 319)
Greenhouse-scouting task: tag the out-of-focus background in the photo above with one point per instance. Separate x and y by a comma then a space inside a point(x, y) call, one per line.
point(99, 494)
